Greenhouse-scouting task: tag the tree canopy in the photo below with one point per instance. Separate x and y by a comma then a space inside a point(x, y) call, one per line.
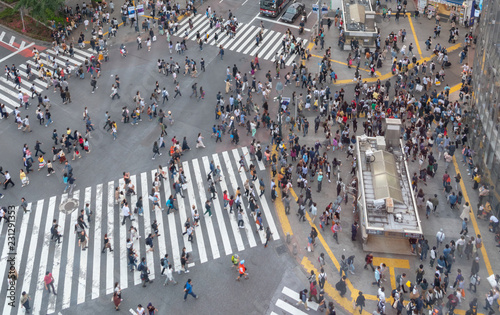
point(42, 10)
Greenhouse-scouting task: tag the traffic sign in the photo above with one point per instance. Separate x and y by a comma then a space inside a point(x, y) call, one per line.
point(315, 7)
point(324, 9)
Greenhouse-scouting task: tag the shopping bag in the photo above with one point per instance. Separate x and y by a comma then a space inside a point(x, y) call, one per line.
point(419, 87)
point(154, 38)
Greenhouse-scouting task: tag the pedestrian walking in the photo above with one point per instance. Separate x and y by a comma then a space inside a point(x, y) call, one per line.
point(188, 290)
point(208, 208)
point(49, 282)
point(107, 244)
point(170, 276)
point(199, 141)
point(116, 301)
point(25, 301)
point(268, 236)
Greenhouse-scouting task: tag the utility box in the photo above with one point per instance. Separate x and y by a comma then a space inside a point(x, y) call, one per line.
point(392, 132)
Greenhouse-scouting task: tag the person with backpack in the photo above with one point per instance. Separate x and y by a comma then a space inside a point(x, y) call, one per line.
point(164, 262)
point(235, 260)
point(303, 299)
point(401, 282)
point(322, 278)
point(143, 268)
point(343, 266)
point(341, 286)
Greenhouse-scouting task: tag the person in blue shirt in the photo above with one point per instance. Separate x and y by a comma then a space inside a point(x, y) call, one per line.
point(453, 200)
point(446, 251)
point(188, 289)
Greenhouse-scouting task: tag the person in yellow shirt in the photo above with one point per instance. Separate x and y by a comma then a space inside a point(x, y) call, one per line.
point(24, 179)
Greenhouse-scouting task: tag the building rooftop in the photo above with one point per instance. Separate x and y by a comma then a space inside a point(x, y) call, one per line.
point(388, 201)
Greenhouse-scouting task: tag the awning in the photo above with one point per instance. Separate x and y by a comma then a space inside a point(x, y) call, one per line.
point(449, 2)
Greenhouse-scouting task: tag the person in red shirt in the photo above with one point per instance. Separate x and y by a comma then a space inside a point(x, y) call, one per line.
point(49, 282)
point(242, 270)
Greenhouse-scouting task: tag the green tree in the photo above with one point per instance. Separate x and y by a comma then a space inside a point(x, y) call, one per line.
point(42, 10)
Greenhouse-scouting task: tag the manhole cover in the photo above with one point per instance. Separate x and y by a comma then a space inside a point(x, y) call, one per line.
point(281, 249)
point(69, 205)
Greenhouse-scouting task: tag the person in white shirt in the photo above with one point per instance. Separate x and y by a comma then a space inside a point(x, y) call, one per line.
point(126, 213)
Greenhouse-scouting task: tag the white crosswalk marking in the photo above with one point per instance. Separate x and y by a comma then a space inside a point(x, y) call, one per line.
point(72, 244)
point(243, 176)
point(2, 35)
point(29, 266)
point(183, 218)
point(96, 266)
point(234, 222)
point(123, 242)
point(173, 230)
point(263, 201)
point(110, 228)
point(264, 33)
point(289, 308)
point(76, 274)
point(162, 247)
point(296, 297)
point(232, 178)
point(8, 90)
point(147, 227)
point(133, 201)
point(192, 201)
point(218, 212)
point(82, 275)
point(19, 249)
point(208, 219)
point(45, 253)
point(242, 42)
point(56, 266)
point(12, 39)
point(23, 43)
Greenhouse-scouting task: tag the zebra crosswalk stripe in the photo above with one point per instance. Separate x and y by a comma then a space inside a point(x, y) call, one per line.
point(265, 206)
point(123, 243)
point(232, 178)
point(96, 266)
point(192, 201)
point(110, 228)
point(56, 266)
point(6, 247)
point(264, 33)
point(218, 212)
point(207, 218)
point(232, 217)
point(133, 201)
point(162, 247)
point(44, 253)
point(243, 176)
point(68, 274)
point(30, 261)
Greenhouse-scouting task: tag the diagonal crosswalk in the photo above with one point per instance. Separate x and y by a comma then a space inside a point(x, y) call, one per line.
point(287, 303)
point(80, 276)
point(9, 92)
point(243, 42)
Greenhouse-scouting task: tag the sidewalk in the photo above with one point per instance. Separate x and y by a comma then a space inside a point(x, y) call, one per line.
point(413, 26)
point(447, 219)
